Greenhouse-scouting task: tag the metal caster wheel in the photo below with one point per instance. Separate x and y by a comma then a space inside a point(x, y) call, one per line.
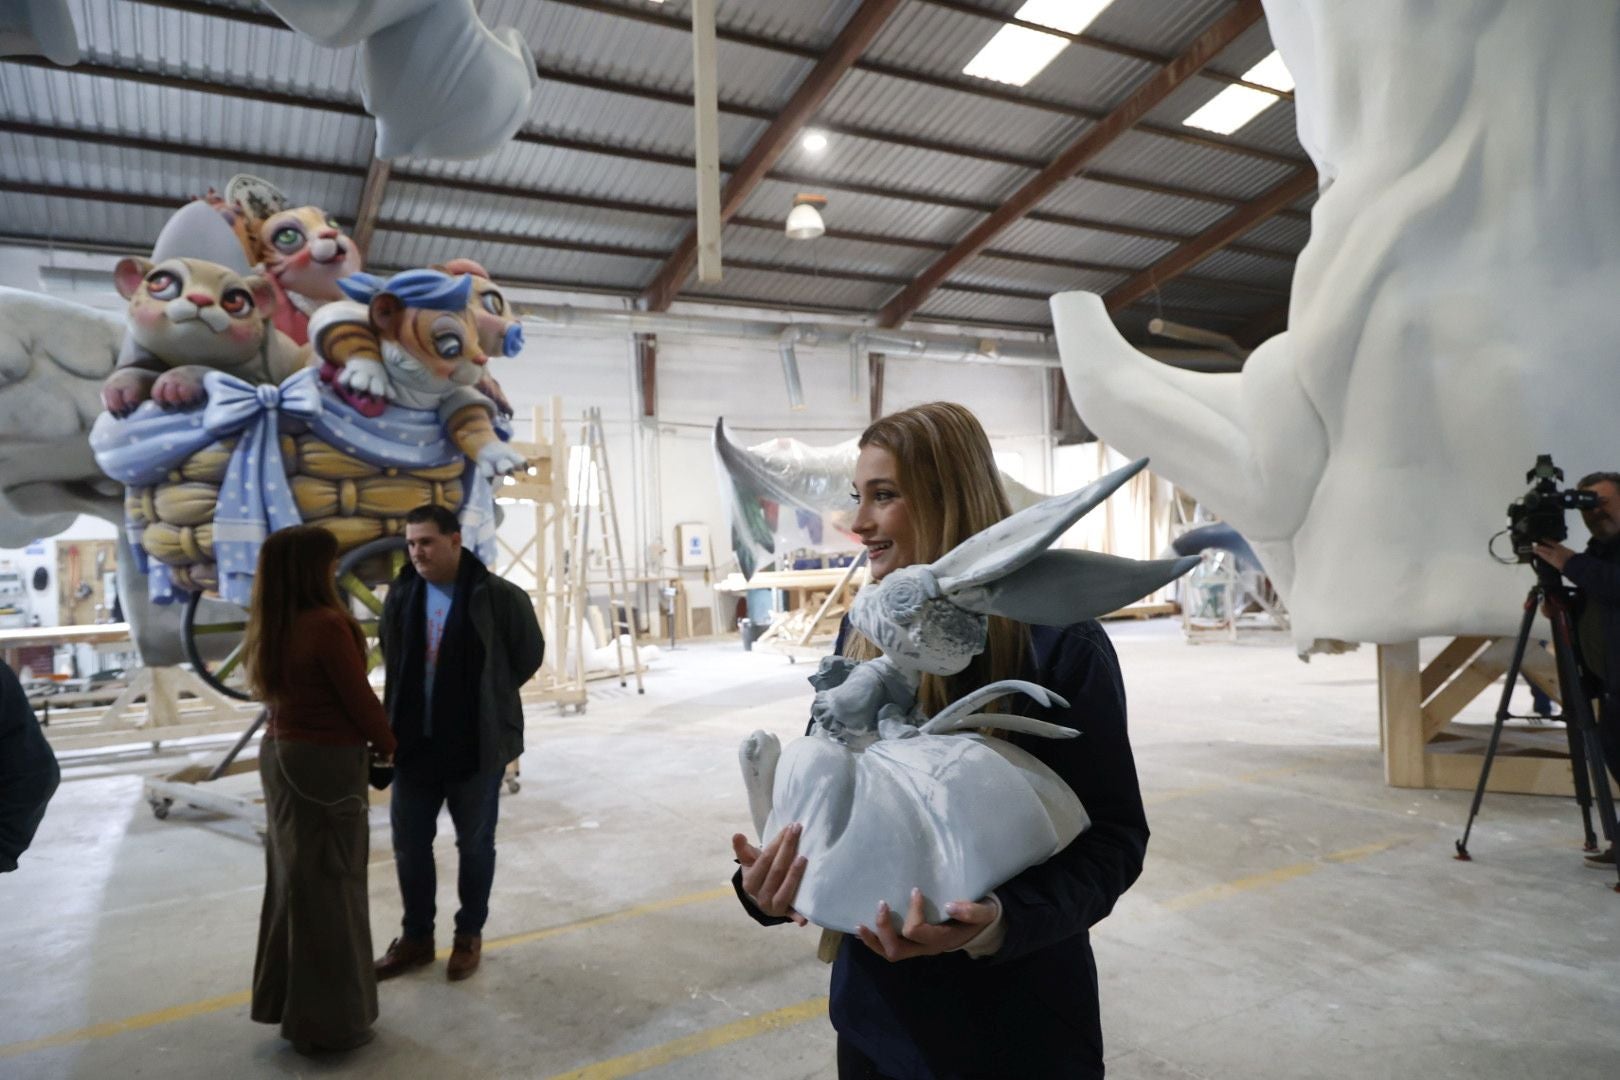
point(160, 807)
point(513, 787)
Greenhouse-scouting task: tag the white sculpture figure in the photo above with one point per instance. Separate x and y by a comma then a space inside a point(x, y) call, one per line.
point(1452, 317)
point(440, 83)
point(890, 799)
point(795, 474)
point(42, 27)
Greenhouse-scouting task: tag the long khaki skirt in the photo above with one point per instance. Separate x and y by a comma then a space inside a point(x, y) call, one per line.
point(314, 973)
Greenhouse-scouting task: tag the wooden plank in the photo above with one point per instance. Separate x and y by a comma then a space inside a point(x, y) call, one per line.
point(1400, 715)
point(371, 200)
point(706, 124)
point(1509, 775)
point(1451, 660)
point(1097, 138)
point(1486, 669)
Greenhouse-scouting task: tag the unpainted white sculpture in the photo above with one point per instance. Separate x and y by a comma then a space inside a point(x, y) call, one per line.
point(440, 83)
point(796, 474)
point(1452, 316)
point(889, 798)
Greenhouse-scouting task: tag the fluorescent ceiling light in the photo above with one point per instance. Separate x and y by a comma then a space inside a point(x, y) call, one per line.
point(1017, 54)
point(1237, 105)
point(814, 141)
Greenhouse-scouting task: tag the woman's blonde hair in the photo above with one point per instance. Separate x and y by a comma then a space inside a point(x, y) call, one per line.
point(294, 575)
point(952, 489)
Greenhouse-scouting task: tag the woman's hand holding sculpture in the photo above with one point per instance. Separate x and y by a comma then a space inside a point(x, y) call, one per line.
point(771, 877)
point(918, 937)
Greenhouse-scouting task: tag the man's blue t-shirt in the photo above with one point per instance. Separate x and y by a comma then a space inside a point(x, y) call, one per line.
point(439, 599)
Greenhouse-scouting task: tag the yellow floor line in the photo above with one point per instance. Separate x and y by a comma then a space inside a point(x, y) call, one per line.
point(177, 1013)
point(701, 1042)
point(1275, 877)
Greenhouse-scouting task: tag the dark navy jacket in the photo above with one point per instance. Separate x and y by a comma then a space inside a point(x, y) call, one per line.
point(28, 771)
point(1030, 1011)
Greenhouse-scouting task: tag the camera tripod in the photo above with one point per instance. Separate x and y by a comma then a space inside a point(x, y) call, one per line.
point(1585, 752)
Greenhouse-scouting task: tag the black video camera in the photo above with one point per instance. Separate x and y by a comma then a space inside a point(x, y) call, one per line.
point(1537, 516)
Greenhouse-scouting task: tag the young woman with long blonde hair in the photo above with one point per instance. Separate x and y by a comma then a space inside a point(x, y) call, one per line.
point(306, 660)
point(1008, 987)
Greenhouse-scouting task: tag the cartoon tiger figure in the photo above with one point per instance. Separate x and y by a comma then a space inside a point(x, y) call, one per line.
point(500, 331)
point(187, 317)
point(413, 340)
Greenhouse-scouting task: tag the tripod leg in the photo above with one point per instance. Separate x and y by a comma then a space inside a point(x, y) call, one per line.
point(1530, 604)
point(1583, 784)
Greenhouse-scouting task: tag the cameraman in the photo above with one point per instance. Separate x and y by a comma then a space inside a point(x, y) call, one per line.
point(1596, 573)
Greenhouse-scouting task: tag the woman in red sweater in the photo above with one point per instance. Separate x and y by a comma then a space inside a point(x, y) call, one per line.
point(306, 660)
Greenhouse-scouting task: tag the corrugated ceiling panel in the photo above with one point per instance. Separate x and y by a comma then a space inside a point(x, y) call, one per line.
point(1082, 245)
point(904, 107)
point(1179, 293)
point(161, 39)
point(660, 57)
point(545, 168)
point(826, 253)
point(175, 176)
point(1288, 233)
point(1237, 266)
point(941, 41)
point(793, 290)
point(811, 22)
point(513, 262)
point(1129, 206)
point(864, 161)
point(1165, 26)
point(80, 220)
point(632, 122)
point(535, 218)
point(993, 273)
point(1171, 161)
point(773, 199)
point(978, 308)
point(59, 97)
point(1251, 47)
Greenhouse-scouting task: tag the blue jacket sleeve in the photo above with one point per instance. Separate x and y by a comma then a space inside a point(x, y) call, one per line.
point(1078, 886)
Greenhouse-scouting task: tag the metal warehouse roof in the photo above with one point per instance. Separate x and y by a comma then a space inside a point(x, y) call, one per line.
point(597, 191)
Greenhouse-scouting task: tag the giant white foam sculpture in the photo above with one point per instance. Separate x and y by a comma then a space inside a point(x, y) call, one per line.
point(1455, 313)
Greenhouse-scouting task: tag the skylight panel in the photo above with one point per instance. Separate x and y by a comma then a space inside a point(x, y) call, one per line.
point(1237, 105)
point(1016, 54)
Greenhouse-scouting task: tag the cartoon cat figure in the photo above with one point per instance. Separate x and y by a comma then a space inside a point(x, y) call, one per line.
point(500, 331)
point(412, 340)
point(306, 254)
point(187, 317)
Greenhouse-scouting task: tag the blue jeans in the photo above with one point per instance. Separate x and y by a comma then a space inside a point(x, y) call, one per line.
point(474, 805)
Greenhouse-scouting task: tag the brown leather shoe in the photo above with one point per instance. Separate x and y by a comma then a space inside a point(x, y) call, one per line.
point(464, 956)
point(403, 954)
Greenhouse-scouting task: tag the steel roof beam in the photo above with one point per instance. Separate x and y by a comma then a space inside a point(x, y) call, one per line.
point(1097, 138)
point(1213, 239)
point(851, 41)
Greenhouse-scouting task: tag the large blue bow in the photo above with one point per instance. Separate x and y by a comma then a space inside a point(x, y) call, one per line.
point(255, 498)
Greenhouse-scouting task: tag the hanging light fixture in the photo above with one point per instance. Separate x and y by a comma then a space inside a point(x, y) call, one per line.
point(804, 220)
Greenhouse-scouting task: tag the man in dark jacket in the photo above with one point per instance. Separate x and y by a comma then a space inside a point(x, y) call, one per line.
point(458, 643)
point(1596, 573)
point(28, 771)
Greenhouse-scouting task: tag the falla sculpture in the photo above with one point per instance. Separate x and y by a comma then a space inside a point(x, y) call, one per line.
point(890, 798)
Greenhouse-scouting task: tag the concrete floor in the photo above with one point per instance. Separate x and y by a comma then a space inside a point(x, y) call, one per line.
point(1296, 918)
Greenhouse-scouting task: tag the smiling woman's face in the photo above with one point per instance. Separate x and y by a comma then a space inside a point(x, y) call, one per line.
point(881, 518)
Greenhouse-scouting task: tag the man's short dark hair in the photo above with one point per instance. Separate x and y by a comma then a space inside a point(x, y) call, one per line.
point(442, 519)
point(1599, 478)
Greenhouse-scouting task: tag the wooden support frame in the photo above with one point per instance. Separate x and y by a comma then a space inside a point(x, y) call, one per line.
point(1423, 745)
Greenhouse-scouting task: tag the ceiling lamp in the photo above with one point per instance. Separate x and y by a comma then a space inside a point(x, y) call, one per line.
point(804, 220)
point(814, 141)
